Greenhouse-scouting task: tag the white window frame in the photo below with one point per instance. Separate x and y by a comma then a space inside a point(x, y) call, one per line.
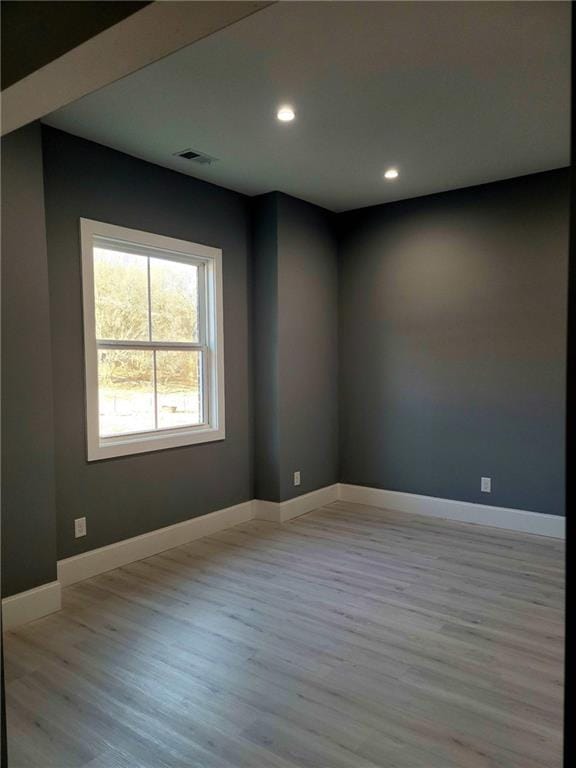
point(210, 303)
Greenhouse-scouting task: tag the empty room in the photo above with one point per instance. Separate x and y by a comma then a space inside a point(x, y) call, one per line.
point(284, 360)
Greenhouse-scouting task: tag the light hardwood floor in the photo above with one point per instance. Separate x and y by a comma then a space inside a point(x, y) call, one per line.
point(347, 638)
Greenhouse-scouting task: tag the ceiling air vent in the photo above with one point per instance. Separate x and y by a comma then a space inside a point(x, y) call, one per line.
point(196, 157)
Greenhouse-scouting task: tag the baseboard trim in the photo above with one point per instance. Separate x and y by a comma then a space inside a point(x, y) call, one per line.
point(41, 601)
point(463, 511)
point(31, 605)
point(96, 561)
point(281, 512)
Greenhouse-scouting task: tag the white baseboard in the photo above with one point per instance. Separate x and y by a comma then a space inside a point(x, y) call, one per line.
point(31, 605)
point(464, 511)
point(96, 561)
point(41, 601)
point(280, 512)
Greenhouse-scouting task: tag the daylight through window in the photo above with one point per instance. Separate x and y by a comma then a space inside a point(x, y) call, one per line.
point(151, 318)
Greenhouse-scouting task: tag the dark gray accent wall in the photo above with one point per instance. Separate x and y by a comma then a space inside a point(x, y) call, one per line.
point(429, 333)
point(127, 496)
point(28, 511)
point(453, 343)
point(296, 349)
point(308, 346)
point(265, 348)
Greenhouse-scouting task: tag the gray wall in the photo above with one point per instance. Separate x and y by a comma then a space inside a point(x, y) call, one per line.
point(265, 347)
point(445, 316)
point(308, 346)
point(127, 496)
point(28, 511)
point(296, 349)
point(453, 343)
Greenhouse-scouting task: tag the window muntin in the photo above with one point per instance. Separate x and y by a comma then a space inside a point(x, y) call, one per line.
point(153, 337)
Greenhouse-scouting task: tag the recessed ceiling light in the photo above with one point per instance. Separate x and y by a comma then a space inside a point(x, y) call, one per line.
point(285, 114)
point(391, 173)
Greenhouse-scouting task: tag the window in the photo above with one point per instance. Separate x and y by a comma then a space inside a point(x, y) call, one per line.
point(153, 341)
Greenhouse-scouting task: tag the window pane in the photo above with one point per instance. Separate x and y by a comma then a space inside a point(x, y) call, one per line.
point(174, 299)
point(179, 387)
point(125, 391)
point(121, 295)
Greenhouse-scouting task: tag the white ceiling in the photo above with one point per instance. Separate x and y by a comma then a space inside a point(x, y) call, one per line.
point(452, 93)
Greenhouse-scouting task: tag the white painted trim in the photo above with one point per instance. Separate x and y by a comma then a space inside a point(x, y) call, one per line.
point(31, 605)
point(96, 561)
point(212, 341)
point(280, 512)
point(146, 36)
point(38, 602)
point(41, 601)
point(464, 511)
point(266, 510)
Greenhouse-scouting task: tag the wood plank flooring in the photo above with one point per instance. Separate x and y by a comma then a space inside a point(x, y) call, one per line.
point(347, 638)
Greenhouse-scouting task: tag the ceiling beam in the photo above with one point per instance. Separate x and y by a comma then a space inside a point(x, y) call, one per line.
point(148, 35)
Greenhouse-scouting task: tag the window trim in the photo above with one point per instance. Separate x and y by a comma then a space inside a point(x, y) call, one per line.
point(143, 442)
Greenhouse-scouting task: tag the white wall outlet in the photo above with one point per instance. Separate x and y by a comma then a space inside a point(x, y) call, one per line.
point(79, 527)
point(297, 478)
point(486, 485)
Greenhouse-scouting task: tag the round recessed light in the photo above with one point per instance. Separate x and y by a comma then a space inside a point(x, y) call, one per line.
point(285, 114)
point(391, 173)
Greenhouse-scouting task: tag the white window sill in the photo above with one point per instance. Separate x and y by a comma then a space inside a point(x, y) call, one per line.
point(128, 445)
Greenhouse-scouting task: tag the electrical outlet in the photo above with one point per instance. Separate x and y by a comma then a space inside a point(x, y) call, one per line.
point(297, 478)
point(486, 485)
point(79, 527)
